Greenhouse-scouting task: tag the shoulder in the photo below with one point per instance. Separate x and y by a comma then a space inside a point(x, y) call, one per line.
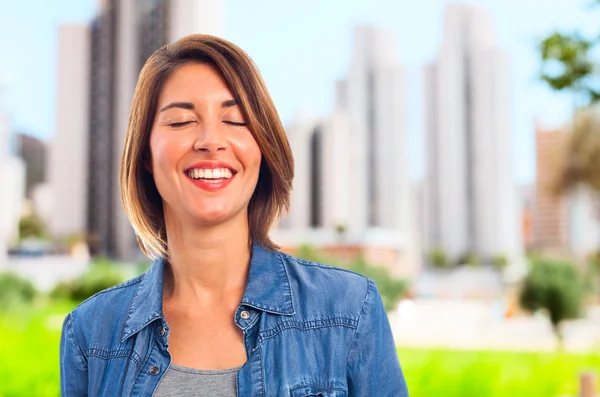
point(327, 286)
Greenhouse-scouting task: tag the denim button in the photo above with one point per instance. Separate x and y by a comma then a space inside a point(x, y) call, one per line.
point(245, 315)
point(154, 370)
point(162, 331)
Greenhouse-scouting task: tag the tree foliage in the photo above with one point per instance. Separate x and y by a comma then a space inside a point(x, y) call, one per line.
point(567, 65)
point(570, 63)
point(581, 167)
point(556, 288)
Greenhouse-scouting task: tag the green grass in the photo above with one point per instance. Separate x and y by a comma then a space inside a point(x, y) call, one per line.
point(29, 350)
point(30, 338)
point(494, 374)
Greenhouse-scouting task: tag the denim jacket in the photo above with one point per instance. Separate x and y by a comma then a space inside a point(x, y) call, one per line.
point(309, 330)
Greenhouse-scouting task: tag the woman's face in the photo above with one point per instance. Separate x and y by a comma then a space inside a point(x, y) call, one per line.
point(205, 160)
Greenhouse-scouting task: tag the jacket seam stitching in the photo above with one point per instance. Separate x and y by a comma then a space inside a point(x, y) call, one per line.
point(321, 265)
point(361, 317)
point(287, 279)
point(72, 328)
point(307, 326)
point(262, 369)
point(317, 388)
point(142, 365)
point(114, 353)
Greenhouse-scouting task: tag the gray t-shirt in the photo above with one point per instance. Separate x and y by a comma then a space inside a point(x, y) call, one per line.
point(181, 381)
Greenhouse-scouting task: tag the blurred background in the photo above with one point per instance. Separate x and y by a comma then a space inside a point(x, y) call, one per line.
point(450, 151)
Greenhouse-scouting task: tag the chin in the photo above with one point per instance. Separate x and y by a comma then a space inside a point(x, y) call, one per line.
point(212, 215)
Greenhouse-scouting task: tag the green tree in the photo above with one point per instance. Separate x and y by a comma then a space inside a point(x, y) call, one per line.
point(556, 288)
point(570, 64)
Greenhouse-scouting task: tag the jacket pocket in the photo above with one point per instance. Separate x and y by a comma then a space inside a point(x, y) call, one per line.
point(311, 391)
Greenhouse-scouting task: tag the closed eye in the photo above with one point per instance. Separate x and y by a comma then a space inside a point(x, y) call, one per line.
point(234, 123)
point(180, 124)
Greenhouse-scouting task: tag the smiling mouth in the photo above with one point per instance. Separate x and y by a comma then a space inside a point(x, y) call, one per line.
point(210, 174)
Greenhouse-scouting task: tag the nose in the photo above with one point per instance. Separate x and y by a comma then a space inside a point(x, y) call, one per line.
point(209, 138)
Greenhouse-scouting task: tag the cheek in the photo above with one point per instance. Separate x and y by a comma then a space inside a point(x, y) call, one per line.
point(249, 153)
point(165, 151)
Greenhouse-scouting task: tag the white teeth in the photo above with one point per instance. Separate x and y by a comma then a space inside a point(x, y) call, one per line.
point(210, 173)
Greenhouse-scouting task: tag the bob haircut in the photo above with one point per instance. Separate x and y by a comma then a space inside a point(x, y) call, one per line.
point(140, 197)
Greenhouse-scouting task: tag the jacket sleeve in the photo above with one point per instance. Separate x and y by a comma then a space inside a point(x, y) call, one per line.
point(73, 363)
point(373, 366)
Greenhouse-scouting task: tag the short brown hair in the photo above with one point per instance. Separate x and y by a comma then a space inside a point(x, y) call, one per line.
point(140, 197)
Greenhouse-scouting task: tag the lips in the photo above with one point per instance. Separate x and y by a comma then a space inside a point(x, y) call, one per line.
point(210, 176)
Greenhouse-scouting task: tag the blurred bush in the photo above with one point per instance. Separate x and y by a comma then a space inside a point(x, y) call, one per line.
point(556, 288)
point(438, 259)
point(390, 288)
point(32, 226)
point(14, 291)
point(499, 261)
point(468, 259)
point(101, 275)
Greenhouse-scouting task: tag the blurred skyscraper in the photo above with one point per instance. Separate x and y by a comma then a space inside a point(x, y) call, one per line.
point(550, 210)
point(351, 184)
point(33, 153)
point(12, 181)
point(68, 155)
point(373, 96)
point(119, 40)
point(322, 173)
point(472, 203)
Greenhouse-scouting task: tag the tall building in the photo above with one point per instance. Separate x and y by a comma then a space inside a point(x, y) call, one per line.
point(120, 39)
point(12, 180)
point(372, 95)
point(472, 199)
point(68, 155)
point(351, 187)
point(33, 153)
point(550, 210)
point(322, 177)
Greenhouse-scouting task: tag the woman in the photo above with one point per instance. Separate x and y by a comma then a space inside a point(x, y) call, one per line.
point(206, 170)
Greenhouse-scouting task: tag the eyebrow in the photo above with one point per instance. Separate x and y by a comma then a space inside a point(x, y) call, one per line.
point(190, 106)
point(229, 103)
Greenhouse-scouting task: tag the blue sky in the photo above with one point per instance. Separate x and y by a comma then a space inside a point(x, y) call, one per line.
point(302, 48)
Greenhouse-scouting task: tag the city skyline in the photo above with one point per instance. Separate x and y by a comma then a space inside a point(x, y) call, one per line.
point(293, 74)
point(352, 186)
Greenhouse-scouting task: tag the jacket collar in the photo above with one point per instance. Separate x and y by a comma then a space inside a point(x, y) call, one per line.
point(268, 289)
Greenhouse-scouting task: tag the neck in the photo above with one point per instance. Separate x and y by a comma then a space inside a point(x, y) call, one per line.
point(207, 262)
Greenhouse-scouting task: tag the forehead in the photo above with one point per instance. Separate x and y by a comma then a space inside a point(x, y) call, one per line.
point(195, 81)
